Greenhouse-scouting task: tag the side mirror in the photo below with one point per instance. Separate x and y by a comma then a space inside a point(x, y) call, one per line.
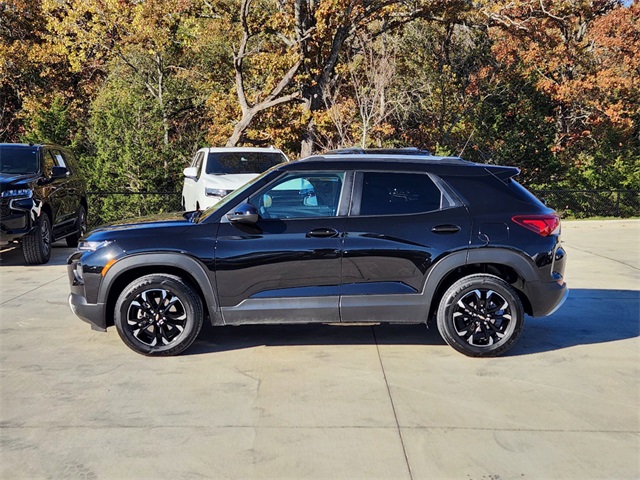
point(59, 172)
point(244, 213)
point(190, 172)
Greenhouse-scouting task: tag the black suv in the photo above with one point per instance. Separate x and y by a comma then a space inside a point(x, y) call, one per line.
point(42, 199)
point(343, 237)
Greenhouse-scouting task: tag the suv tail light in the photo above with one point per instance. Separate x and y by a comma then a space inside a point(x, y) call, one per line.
point(543, 225)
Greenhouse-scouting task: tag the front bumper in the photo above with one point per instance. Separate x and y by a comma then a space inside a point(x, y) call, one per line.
point(80, 300)
point(92, 313)
point(14, 225)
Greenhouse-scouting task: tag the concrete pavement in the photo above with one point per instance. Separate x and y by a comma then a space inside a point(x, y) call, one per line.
point(328, 401)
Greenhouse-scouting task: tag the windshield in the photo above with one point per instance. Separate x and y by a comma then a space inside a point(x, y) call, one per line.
point(229, 198)
point(219, 163)
point(18, 159)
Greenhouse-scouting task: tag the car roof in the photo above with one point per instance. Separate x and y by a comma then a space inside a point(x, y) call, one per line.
point(242, 149)
point(394, 157)
point(30, 145)
point(379, 151)
point(399, 162)
point(20, 145)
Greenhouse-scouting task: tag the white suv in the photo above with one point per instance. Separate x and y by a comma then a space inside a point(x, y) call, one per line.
point(216, 172)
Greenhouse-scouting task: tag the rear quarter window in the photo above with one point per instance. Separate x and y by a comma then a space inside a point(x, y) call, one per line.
point(488, 191)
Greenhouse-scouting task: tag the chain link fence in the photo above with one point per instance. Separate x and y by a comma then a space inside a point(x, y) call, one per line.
point(106, 207)
point(592, 203)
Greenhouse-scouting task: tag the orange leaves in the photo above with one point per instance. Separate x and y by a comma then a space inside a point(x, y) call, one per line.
point(583, 55)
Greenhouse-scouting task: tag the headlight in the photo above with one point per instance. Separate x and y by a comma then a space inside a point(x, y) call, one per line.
point(78, 274)
point(23, 192)
point(89, 246)
point(216, 192)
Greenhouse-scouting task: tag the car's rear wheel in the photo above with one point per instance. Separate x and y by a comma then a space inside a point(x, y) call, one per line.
point(81, 227)
point(480, 316)
point(158, 314)
point(36, 247)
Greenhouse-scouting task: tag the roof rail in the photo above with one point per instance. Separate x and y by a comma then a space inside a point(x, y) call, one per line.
point(378, 151)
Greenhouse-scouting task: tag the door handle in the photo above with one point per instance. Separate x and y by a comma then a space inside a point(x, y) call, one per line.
point(446, 229)
point(323, 233)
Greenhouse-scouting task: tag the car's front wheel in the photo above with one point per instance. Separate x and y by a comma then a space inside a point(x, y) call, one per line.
point(158, 314)
point(36, 247)
point(480, 316)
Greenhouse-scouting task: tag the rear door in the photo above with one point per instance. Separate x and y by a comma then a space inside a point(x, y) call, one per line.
point(401, 223)
point(66, 197)
point(54, 191)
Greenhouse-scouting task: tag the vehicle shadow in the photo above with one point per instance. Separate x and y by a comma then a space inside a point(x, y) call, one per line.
point(12, 256)
point(588, 317)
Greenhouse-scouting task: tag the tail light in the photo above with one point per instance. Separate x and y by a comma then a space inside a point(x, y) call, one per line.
point(543, 225)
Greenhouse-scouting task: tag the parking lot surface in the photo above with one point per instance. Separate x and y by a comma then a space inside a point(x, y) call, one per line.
point(328, 401)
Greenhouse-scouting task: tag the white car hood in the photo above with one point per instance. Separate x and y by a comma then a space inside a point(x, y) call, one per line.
point(230, 181)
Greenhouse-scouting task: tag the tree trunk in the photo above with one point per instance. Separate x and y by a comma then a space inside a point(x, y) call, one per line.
point(240, 128)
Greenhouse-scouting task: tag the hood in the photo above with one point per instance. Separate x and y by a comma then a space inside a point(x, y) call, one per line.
point(9, 181)
point(174, 221)
point(232, 181)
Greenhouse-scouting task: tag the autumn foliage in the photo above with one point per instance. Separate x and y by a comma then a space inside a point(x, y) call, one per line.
point(552, 86)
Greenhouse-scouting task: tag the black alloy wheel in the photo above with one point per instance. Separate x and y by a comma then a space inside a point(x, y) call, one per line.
point(158, 314)
point(36, 247)
point(81, 227)
point(480, 316)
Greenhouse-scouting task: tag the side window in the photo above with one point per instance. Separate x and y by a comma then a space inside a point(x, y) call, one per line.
point(301, 196)
point(59, 159)
point(48, 162)
point(197, 163)
point(398, 193)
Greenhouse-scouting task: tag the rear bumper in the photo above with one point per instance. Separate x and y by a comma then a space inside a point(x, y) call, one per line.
point(92, 313)
point(546, 298)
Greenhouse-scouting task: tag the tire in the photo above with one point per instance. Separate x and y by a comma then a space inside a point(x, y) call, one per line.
point(81, 227)
point(158, 315)
point(480, 316)
point(36, 247)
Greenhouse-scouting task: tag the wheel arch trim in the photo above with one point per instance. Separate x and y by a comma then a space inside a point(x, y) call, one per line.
point(179, 261)
point(461, 258)
point(505, 256)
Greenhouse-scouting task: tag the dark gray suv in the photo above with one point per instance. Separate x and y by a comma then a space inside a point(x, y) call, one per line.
point(343, 237)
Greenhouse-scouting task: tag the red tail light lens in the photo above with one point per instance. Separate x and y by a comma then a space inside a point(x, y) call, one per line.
point(543, 225)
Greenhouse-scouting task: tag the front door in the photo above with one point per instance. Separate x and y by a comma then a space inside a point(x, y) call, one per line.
point(286, 267)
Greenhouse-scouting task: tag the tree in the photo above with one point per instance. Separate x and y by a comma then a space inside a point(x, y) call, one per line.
point(151, 38)
point(34, 87)
point(303, 42)
point(583, 56)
